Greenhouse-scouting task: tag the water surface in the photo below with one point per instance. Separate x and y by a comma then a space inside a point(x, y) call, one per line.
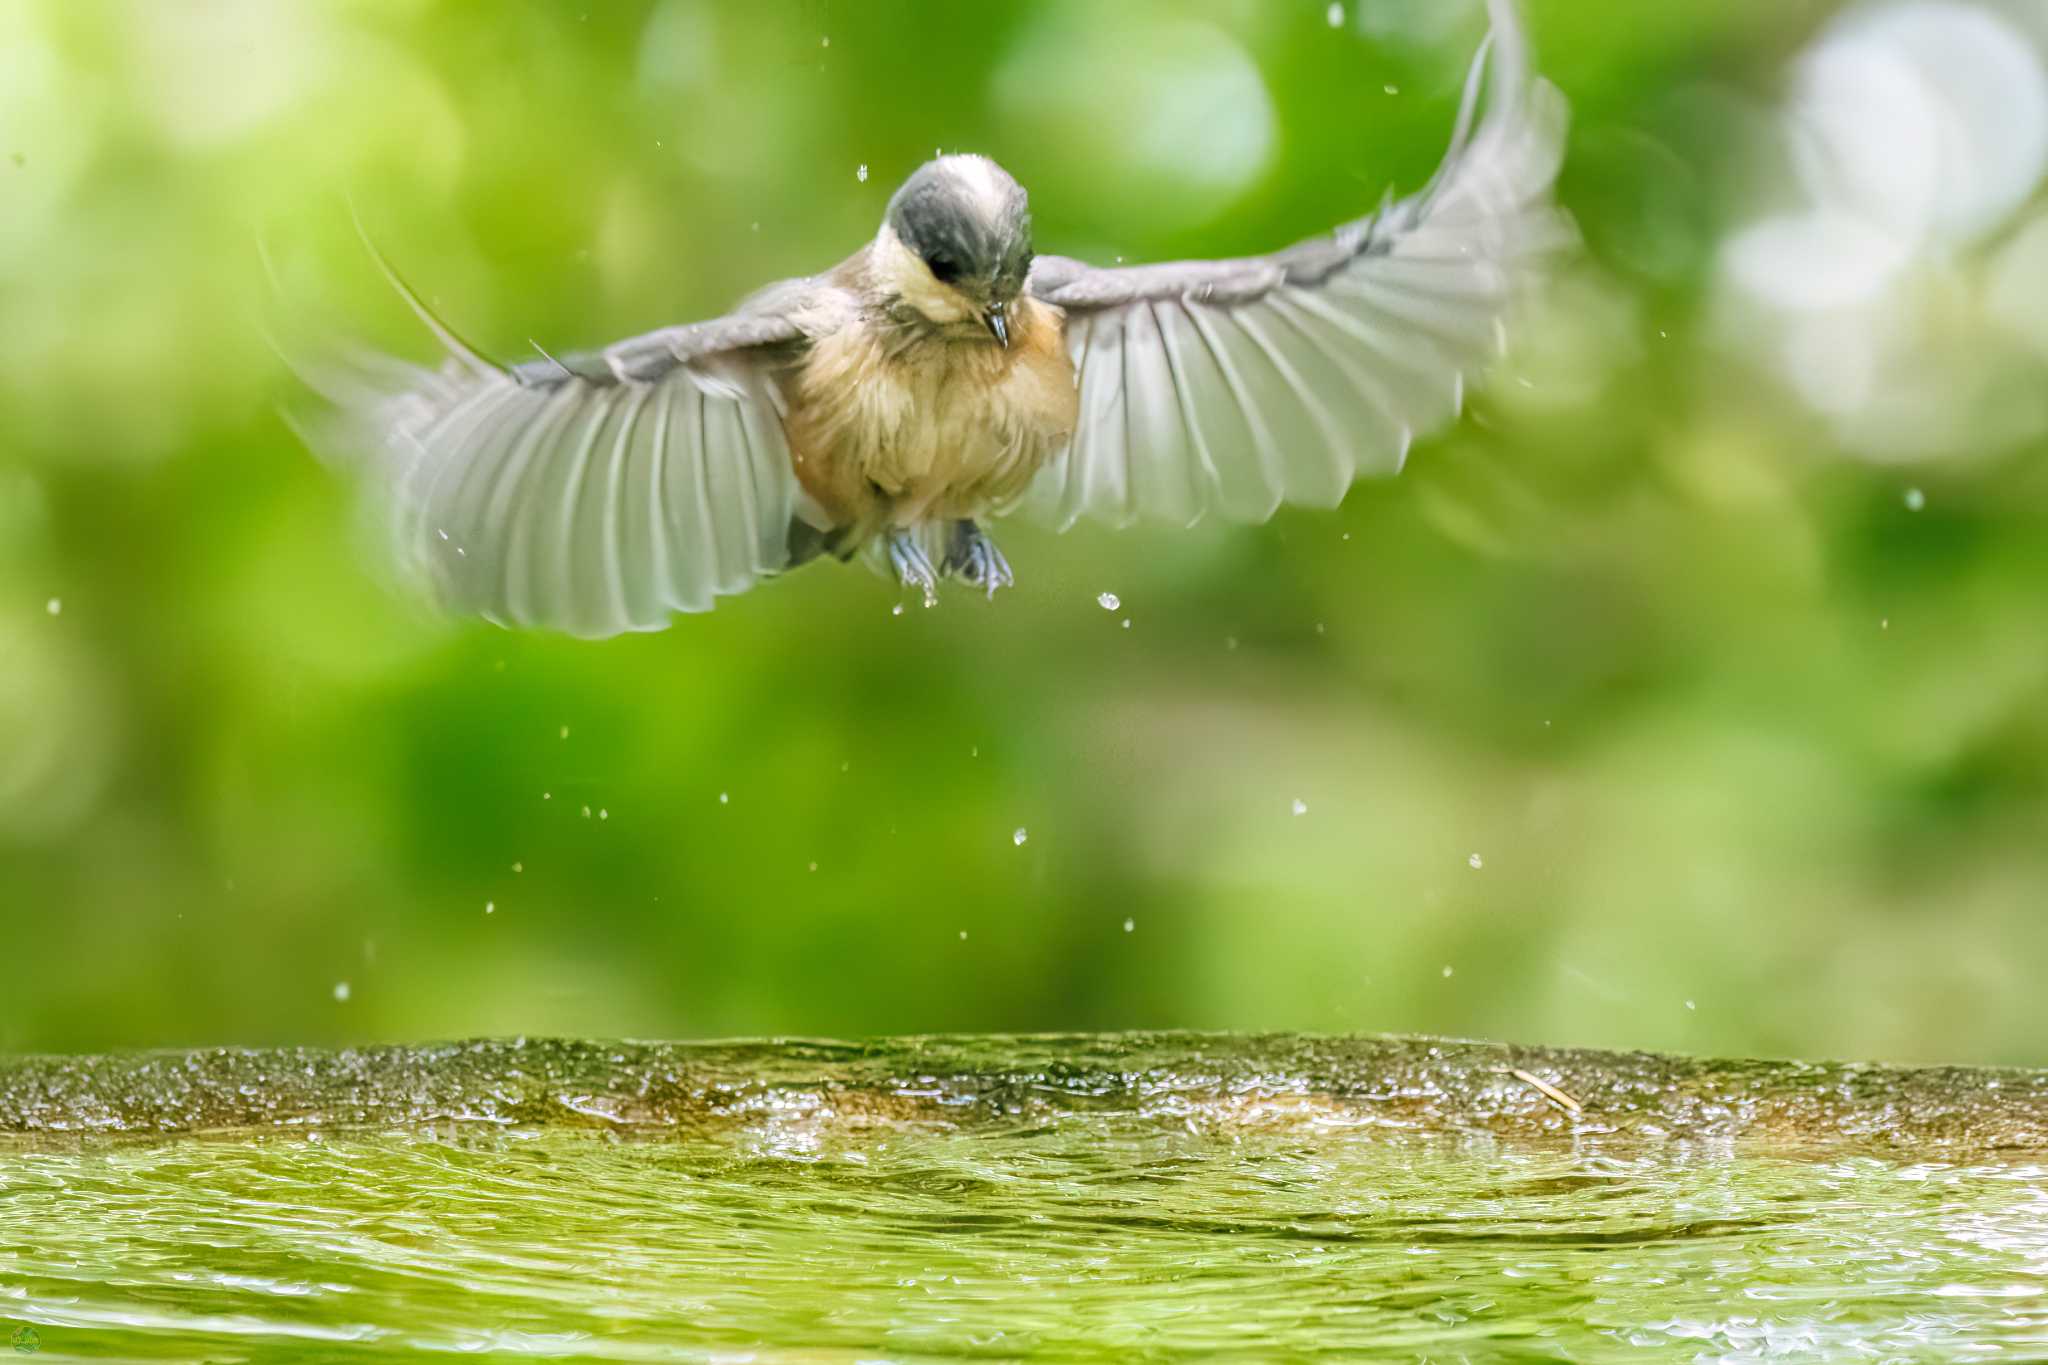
point(1081, 1236)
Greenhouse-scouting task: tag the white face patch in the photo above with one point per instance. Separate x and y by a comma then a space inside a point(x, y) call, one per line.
point(898, 270)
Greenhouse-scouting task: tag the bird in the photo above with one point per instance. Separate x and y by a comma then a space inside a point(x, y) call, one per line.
point(945, 374)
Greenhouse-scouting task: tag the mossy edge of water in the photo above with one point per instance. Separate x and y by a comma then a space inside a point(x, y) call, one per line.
point(1220, 1081)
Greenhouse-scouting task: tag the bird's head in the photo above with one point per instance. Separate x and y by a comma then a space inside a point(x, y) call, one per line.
point(955, 245)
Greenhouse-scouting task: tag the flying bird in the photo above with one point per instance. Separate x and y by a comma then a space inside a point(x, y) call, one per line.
point(945, 374)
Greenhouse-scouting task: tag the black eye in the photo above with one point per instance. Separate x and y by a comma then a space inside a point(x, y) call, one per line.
point(943, 267)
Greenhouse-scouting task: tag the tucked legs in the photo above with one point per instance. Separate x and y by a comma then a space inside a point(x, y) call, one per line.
point(913, 566)
point(974, 558)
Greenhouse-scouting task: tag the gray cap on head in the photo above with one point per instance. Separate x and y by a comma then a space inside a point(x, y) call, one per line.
point(968, 221)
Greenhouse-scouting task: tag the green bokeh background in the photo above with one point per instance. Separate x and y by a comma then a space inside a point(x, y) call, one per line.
point(1751, 752)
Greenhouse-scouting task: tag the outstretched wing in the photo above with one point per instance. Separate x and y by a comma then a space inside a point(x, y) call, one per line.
point(594, 494)
point(1239, 385)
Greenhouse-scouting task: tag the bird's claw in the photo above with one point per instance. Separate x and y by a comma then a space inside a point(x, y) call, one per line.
point(913, 566)
point(975, 559)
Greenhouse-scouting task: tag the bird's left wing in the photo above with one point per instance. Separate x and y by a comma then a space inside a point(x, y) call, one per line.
point(1239, 385)
point(593, 494)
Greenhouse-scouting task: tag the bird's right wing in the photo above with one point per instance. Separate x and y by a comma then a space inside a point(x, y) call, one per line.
point(1237, 385)
point(593, 494)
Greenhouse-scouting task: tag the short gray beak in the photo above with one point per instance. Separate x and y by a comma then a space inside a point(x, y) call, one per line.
point(997, 320)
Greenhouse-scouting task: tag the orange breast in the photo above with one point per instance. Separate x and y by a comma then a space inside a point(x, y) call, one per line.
point(944, 429)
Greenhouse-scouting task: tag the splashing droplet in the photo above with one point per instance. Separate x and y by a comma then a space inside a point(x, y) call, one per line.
point(1108, 601)
point(862, 174)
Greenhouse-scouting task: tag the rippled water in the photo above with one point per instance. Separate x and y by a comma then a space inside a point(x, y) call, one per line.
point(1090, 1237)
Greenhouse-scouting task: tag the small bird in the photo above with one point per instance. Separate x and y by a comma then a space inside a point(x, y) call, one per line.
point(944, 374)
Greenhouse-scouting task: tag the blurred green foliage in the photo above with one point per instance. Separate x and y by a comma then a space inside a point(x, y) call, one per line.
point(1632, 714)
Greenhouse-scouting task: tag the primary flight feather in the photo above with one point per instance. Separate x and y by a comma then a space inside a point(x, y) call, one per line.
point(943, 374)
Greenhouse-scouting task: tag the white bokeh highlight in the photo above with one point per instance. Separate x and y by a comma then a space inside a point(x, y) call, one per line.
point(1889, 299)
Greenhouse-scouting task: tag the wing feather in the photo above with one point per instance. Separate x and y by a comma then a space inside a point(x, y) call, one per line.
point(1234, 386)
point(594, 494)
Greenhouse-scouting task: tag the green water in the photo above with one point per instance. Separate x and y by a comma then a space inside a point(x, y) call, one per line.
point(1087, 1237)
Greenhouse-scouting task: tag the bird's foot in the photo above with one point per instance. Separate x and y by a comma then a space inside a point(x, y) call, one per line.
point(974, 558)
point(913, 566)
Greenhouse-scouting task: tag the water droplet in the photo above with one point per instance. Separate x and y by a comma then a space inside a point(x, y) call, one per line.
point(1130, 926)
point(586, 812)
point(814, 865)
point(441, 533)
point(1885, 623)
point(896, 610)
point(725, 798)
point(519, 867)
point(341, 992)
point(604, 815)
point(825, 41)
point(1020, 836)
point(1475, 862)
point(975, 752)
point(1300, 806)
point(1391, 89)
point(862, 174)
point(1230, 642)
point(1108, 601)
point(1691, 1005)
point(490, 907)
point(547, 796)
point(963, 936)
point(565, 732)
point(1915, 499)
point(1336, 15)
point(55, 606)
point(1447, 971)
point(1127, 623)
